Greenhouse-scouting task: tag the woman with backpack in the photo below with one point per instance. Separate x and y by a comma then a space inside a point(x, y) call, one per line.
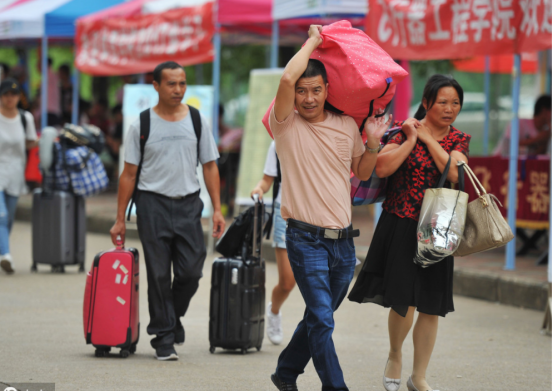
point(17, 135)
point(272, 175)
point(413, 160)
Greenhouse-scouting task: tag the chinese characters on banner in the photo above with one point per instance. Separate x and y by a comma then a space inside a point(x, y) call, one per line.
point(533, 184)
point(448, 29)
point(136, 44)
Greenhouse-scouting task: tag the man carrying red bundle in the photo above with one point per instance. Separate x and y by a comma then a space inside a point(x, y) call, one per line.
point(317, 150)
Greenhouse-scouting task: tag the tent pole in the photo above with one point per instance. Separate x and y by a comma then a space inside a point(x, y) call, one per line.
point(75, 97)
point(487, 106)
point(514, 151)
point(548, 78)
point(44, 84)
point(216, 82)
point(275, 44)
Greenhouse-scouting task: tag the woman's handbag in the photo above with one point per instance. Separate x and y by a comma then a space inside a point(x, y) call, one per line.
point(485, 227)
point(441, 221)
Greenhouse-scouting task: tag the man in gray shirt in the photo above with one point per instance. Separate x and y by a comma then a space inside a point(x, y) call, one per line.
point(168, 205)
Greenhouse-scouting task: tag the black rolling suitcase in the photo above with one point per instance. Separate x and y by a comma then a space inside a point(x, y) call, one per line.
point(59, 230)
point(237, 296)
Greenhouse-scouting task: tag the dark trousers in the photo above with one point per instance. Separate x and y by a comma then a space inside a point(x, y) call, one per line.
point(323, 269)
point(170, 231)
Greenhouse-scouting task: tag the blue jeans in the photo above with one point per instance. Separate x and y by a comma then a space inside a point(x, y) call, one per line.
point(323, 269)
point(8, 204)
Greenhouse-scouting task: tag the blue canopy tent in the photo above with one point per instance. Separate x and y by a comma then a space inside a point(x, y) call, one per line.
point(60, 23)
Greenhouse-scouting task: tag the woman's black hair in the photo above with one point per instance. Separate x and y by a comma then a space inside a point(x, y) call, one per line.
point(432, 87)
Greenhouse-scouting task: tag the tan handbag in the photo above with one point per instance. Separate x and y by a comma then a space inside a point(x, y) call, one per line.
point(485, 227)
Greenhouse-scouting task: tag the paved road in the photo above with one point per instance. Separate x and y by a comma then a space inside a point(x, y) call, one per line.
point(481, 346)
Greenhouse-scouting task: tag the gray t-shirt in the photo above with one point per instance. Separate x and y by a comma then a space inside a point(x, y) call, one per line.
point(169, 164)
point(12, 152)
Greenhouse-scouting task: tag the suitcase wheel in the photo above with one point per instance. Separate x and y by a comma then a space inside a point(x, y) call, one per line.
point(102, 352)
point(34, 268)
point(124, 353)
point(58, 269)
point(259, 348)
point(82, 268)
point(243, 351)
point(133, 348)
point(212, 349)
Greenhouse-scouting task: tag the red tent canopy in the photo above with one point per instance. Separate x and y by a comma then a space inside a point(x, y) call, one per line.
point(250, 21)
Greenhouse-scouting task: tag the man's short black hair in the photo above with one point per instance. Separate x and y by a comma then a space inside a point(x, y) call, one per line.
point(164, 65)
point(543, 103)
point(315, 68)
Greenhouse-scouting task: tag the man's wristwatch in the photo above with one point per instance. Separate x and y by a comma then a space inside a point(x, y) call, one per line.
point(373, 150)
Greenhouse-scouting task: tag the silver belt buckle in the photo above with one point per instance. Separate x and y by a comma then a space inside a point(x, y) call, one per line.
point(332, 234)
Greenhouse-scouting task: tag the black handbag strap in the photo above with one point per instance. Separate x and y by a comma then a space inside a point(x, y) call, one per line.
point(461, 181)
point(442, 179)
point(461, 177)
point(389, 81)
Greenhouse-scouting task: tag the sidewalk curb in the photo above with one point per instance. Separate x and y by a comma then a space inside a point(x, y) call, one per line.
point(509, 290)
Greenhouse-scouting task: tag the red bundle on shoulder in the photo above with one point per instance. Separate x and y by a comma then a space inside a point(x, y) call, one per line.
point(362, 76)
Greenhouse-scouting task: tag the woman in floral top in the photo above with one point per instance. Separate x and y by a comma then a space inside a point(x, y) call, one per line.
point(413, 161)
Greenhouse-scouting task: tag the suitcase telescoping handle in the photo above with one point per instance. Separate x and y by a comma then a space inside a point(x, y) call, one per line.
point(118, 243)
point(258, 210)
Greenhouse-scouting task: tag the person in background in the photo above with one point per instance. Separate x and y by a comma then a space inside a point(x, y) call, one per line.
point(535, 135)
point(98, 115)
point(66, 93)
point(230, 140)
point(286, 278)
point(413, 160)
point(53, 106)
point(14, 141)
point(20, 75)
point(114, 137)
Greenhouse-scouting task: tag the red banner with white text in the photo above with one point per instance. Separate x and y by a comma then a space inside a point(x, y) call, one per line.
point(452, 29)
point(136, 44)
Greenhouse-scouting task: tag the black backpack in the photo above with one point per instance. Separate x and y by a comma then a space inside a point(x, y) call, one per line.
point(145, 133)
point(276, 187)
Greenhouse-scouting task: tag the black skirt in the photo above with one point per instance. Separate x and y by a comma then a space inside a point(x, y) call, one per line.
point(391, 278)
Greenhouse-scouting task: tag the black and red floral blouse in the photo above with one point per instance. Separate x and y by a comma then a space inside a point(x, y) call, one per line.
point(406, 187)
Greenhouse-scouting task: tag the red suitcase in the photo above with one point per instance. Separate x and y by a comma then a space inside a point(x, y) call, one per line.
point(111, 304)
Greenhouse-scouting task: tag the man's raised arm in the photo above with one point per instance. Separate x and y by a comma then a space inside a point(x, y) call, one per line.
point(284, 102)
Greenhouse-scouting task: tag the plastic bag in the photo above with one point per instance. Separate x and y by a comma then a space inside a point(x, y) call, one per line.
point(441, 222)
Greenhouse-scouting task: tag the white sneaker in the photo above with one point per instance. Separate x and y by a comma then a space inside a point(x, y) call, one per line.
point(274, 330)
point(6, 263)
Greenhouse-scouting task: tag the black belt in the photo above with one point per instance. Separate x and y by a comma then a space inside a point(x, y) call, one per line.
point(196, 193)
point(327, 233)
